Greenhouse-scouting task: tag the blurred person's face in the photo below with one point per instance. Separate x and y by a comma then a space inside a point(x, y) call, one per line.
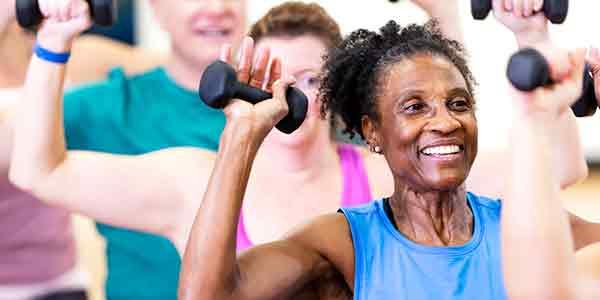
point(198, 28)
point(300, 57)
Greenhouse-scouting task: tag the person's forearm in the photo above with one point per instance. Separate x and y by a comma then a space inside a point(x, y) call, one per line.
point(448, 16)
point(532, 38)
point(7, 18)
point(571, 166)
point(537, 247)
point(4, 26)
point(567, 154)
point(209, 268)
point(39, 143)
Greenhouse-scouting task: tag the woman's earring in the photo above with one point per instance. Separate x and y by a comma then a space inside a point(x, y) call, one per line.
point(377, 150)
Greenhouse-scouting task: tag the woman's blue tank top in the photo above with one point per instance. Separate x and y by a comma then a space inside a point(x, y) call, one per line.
point(390, 266)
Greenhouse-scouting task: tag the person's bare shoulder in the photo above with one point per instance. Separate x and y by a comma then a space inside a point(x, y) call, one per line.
point(330, 236)
point(313, 261)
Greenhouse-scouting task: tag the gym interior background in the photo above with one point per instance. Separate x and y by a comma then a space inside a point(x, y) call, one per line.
point(484, 40)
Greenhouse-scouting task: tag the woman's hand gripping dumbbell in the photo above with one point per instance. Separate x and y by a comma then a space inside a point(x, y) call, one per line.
point(220, 84)
point(528, 70)
point(555, 10)
point(29, 14)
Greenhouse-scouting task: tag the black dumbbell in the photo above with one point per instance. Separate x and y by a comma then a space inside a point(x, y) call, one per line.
point(104, 12)
point(528, 70)
point(555, 10)
point(219, 84)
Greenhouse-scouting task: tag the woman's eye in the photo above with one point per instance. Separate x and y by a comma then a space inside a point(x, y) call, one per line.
point(460, 104)
point(414, 107)
point(308, 82)
point(313, 81)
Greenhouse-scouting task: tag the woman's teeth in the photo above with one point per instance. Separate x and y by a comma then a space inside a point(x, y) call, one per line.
point(441, 150)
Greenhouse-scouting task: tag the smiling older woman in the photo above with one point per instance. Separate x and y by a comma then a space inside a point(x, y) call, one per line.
point(409, 93)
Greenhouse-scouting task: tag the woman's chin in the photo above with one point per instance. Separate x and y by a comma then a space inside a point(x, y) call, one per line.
point(447, 183)
point(307, 132)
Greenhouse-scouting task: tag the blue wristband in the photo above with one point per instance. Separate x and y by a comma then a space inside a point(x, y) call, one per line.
point(47, 55)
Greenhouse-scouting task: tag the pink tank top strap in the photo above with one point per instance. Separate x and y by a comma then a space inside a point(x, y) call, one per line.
point(355, 188)
point(243, 241)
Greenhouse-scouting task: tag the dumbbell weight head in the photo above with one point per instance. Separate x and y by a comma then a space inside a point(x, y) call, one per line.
point(586, 105)
point(480, 8)
point(556, 10)
point(528, 70)
point(28, 13)
point(219, 84)
point(104, 12)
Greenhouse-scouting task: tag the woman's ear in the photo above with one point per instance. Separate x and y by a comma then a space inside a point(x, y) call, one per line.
point(371, 134)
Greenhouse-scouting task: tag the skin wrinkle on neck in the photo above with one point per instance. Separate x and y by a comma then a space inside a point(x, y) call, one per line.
point(433, 218)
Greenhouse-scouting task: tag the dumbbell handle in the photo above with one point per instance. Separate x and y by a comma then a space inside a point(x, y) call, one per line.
point(251, 94)
point(556, 10)
point(296, 101)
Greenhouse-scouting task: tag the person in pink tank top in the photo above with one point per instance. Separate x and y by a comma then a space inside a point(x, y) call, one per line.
point(351, 175)
point(355, 187)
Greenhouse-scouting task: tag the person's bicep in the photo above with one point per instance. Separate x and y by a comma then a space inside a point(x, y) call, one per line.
point(145, 192)
point(286, 268)
point(278, 270)
point(305, 254)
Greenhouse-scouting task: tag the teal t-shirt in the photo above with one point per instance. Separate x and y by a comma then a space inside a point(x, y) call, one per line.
point(135, 115)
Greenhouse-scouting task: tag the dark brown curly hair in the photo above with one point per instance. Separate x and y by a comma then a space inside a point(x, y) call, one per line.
point(352, 69)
